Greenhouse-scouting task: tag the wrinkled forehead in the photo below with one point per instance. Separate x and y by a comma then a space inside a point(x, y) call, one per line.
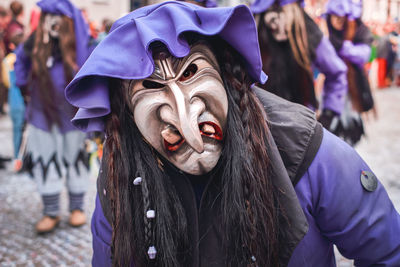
point(167, 67)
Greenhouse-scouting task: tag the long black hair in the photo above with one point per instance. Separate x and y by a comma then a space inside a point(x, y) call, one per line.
point(250, 209)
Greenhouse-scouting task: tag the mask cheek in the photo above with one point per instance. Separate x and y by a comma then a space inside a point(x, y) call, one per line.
point(148, 122)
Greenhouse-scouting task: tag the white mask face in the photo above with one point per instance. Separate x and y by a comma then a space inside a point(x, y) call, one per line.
point(52, 25)
point(181, 109)
point(338, 22)
point(276, 22)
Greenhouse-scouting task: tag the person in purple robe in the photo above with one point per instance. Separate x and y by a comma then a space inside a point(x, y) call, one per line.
point(45, 64)
point(352, 41)
point(201, 168)
point(292, 45)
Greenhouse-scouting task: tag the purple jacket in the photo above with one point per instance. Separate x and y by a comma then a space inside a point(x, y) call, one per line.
point(355, 53)
point(34, 112)
point(364, 225)
point(334, 69)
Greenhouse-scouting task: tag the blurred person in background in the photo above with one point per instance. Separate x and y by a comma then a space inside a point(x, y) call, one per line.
point(93, 30)
point(391, 60)
point(352, 41)
point(46, 63)
point(4, 19)
point(16, 23)
point(105, 29)
point(385, 57)
point(34, 19)
point(291, 45)
point(16, 103)
point(396, 66)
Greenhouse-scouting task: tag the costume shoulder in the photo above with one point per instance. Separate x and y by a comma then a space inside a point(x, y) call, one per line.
point(346, 203)
point(296, 132)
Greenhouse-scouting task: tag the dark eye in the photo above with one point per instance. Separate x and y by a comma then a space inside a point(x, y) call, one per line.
point(188, 73)
point(152, 85)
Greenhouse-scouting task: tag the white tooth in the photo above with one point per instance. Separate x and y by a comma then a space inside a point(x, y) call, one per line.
point(207, 128)
point(170, 136)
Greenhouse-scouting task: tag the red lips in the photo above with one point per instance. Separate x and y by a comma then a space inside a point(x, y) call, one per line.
point(207, 128)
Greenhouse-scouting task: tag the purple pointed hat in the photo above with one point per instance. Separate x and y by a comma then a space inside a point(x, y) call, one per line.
point(339, 8)
point(259, 6)
point(356, 9)
point(125, 52)
point(66, 8)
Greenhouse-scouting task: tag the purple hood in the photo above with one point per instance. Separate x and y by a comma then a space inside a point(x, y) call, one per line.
point(66, 8)
point(350, 8)
point(125, 52)
point(259, 6)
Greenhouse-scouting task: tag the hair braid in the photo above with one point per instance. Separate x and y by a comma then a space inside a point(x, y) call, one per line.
point(256, 202)
point(133, 232)
point(241, 85)
point(114, 156)
point(148, 227)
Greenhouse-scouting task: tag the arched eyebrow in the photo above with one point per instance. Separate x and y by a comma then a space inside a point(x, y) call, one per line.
point(177, 63)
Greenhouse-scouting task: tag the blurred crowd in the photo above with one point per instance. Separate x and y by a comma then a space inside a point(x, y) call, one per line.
point(13, 100)
point(38, 61)
point(385, 53)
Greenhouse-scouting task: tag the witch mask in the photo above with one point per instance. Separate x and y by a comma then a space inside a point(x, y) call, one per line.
point(275, 19)
point(52, 25)
point(181, 108)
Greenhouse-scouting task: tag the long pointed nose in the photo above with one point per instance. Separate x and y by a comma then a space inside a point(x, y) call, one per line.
point(188, 117)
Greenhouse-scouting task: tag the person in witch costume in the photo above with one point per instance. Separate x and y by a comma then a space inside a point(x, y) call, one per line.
point(202, 169)
point(291, 46)
point(45, 64)
point(352, 41)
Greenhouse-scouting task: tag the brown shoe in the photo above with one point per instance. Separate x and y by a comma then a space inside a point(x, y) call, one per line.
point(77, 218)
point(47, 224)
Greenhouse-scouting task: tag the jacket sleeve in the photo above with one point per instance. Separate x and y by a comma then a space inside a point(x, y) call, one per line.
point(364, 225)
point(22, 66)
point(101, 232)
point(355, 53)
point(335, 71)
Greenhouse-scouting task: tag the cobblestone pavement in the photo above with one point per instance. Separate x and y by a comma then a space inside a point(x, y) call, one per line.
point(20, 205)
